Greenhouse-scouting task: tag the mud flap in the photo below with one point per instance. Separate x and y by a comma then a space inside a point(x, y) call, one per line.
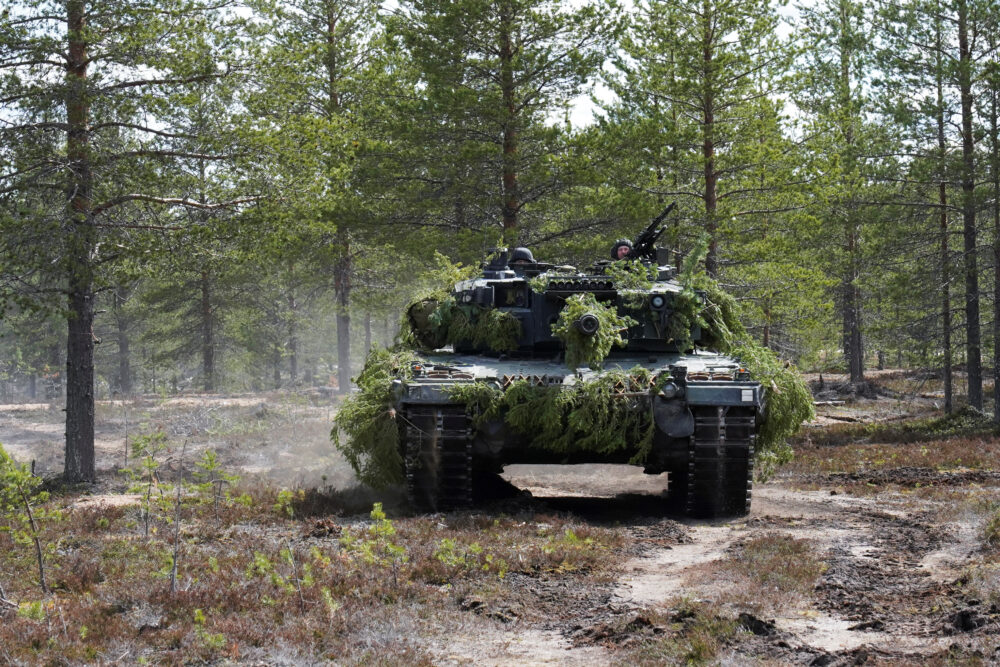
point(673, 418)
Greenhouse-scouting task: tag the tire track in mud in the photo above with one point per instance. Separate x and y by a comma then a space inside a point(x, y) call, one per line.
point(879, 583)
point(879, 594)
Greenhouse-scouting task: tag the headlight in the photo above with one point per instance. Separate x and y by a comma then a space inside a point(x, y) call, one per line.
point(670, 390)
point(658, 301)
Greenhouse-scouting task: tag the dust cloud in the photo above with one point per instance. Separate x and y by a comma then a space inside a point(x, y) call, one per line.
point(282, 438)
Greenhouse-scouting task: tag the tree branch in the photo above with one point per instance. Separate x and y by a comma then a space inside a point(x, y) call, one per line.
point(171, 201)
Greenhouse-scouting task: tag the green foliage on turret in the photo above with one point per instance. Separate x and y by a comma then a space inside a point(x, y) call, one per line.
point(584, 350)
point(789, 402)
point(368, 423)
point(606, 414)
point(434, 319)
point(435, 323)
point(631, 275)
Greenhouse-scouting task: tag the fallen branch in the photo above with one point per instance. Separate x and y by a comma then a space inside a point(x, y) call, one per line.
point(4, 602)
point(853, 420)
point(829, 402)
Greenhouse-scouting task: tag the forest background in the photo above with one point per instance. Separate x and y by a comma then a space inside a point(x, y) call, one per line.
point(236, 196)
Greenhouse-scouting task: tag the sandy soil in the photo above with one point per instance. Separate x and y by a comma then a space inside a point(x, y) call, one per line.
point(891, 588)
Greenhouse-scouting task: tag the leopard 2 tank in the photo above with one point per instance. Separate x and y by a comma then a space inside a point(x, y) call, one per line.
point(492, 387)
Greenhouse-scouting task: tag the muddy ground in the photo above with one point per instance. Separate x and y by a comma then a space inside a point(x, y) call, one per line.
point(860, 552)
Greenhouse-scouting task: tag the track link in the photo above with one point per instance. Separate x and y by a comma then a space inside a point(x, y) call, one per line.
point(438, 457)
point(720, 462)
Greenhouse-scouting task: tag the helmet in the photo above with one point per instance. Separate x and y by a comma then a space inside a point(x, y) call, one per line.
point(619, 244)
point(522, 255)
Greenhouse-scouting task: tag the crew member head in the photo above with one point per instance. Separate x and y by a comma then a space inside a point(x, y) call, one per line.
point(621, 249)
point(522, 256)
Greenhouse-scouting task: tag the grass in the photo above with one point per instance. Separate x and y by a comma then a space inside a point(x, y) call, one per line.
point(976, 452)
point(991, 531)
point(963, 423)
point(272, 578)
point(768, 573)
point(696, 634)
point(253, 583)
point(982, 579)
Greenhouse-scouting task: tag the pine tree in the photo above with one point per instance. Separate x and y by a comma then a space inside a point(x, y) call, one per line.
point(489, 75)
point(317, 97)
point(937, 49)
point(832, 92)
point(89, 92)
point(696, 78)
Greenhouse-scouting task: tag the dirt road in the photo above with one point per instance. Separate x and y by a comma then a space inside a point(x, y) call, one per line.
point(892, 585)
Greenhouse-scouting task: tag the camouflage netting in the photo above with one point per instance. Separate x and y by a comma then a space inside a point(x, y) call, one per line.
point(607, 414)
point(588, 417)
point(789, 402)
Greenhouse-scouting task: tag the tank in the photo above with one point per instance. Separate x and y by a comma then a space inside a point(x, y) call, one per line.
point(660, 398)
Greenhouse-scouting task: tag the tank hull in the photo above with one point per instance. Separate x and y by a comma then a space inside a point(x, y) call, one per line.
point(703, 425)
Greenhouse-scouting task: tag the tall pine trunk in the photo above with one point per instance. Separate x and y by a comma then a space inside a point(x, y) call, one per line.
point(342, 287)
point(81, 244)
point(342, 267)
point(124, 343)
point(510, 138)
point(850, 287)
point(368, 333)
point(973, 341)
point(293, 330)
point(124, 363)
point(207, 331)
point(54, 377)
point(943, 203)
point(995, 168)
point(708, 143)
point(293, 354)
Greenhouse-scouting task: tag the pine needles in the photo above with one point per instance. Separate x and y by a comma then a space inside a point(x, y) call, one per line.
point(368, 421)
point(591, 350)
point(436, 322)
point(607, 414)
point(610, 413)
point(788, 401)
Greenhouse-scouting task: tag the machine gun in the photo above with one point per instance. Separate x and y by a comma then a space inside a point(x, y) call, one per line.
point(644, 246)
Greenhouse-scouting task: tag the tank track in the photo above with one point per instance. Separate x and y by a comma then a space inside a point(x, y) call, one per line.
point(438, 460)
point(720, 462)
point(438, 457)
